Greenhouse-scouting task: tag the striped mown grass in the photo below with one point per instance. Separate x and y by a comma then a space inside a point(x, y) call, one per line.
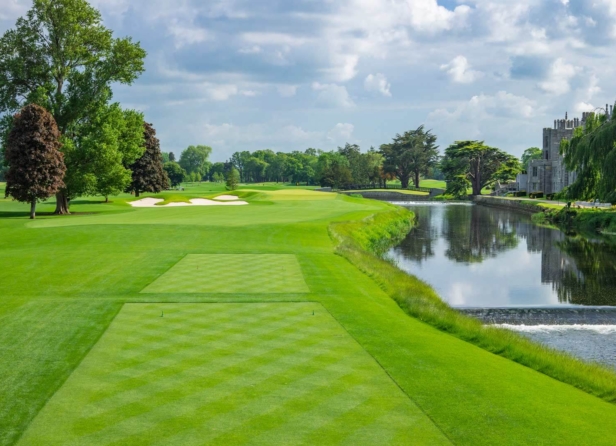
point(232, 273)
point(266, 373)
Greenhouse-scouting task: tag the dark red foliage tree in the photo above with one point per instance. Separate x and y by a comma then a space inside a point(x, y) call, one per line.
point(148, 172)
point(36, 165)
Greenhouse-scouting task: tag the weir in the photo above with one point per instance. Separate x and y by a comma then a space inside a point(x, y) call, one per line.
point(544, 316)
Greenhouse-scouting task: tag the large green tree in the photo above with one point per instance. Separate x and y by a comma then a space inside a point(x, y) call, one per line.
point(61, 57)
point(195, 160)
point(410, 155)
point(175, 173)
point(472, 163)
point(36, 165)
point(530, 154)
point(591, 153)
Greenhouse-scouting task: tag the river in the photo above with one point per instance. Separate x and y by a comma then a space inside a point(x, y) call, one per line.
point(497, 265)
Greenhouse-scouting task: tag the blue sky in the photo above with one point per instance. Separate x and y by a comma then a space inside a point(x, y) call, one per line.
point(292, 74)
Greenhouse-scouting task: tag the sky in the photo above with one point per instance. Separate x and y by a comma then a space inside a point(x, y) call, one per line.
point(292, 74)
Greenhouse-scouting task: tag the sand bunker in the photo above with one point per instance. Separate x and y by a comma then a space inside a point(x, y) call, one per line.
point(226, 198)
point(151, 203)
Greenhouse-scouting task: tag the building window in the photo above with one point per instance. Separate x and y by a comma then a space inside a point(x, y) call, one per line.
point(534, 171)
point(547, 154)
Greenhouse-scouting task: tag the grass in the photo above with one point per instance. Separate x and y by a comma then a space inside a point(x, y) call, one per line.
point(229, 374)
point(63, 280)
point(232, 273)
point(401, 191)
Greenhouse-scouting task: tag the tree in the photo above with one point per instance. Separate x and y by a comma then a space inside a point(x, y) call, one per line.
point(36, 165)
point(61, 57)
point(238, 159)
point(530, 154)
point(232, 179)
point(165, 157)
point(175, 173)
point(410, 155)
point(195, 160)
point(333, 170)
point(148, 173)
point(475, 164)
point(592, 154)
point(171, 156)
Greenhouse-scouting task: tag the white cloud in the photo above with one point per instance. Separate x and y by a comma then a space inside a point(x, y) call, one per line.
point(287, 91)
point(186, 34)
point(377, 83)
point(332, 96)
point(342, 132)
point(219, 92)
point(272, 38)
point(557, 82)
point(460, 71)
point(255, 49)
point(11, 9)
point(342, 67)
point(482, 106)
point(581, 107)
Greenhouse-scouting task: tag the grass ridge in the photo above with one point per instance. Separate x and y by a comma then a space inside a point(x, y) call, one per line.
point(363, 242)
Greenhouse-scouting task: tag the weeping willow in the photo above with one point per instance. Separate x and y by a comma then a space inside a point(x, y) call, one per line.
point(591, 153)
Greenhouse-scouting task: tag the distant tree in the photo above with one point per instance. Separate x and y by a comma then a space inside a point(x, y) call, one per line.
point(218, 177)
point(472, 163)
point(217, 168)
point(532, 153)
point(148, 173)
point(410, 155)
point(333, 170)
point(36, 166)
point(238, 159)
point(61, 57)
point(171, 156)
point(232, 179)
point(165, 157)
point(175, 173)
point(195, 160)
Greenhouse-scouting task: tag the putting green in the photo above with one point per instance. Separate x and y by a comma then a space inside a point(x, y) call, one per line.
point(266, 373)
point(232, 273)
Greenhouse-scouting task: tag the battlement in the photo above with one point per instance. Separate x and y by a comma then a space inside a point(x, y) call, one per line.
point(564, 124)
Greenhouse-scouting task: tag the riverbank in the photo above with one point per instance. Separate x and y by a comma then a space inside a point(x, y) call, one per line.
point(419, 300)
point(567, 219)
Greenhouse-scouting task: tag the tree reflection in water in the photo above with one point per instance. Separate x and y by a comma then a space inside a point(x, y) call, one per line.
point(474, 233)
point(579, 270)
point(591, 279)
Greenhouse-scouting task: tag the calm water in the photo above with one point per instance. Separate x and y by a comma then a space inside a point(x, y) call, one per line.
point(476, 256)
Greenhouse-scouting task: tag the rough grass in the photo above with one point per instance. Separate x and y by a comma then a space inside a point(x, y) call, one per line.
point(418, 299)
point(229, 374)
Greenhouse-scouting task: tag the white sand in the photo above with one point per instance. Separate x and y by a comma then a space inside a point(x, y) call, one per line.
point(226, 198)
point(151, 203)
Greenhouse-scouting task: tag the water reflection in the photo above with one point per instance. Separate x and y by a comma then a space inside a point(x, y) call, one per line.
point(486, 257)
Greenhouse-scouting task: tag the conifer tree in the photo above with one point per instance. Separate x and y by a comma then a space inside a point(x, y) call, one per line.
point(148, 172)
point(36, 165)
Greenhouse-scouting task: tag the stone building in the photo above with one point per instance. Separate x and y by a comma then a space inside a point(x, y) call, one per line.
point(549, 174)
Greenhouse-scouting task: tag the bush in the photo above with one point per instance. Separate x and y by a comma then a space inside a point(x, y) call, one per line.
point(519, 194)
point(536, 195)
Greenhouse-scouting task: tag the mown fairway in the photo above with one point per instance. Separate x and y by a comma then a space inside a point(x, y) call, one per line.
point(88, 359)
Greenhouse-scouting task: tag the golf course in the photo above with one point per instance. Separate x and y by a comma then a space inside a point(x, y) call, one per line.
point(230, 325)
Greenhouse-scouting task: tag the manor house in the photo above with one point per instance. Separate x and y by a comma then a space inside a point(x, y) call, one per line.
point(549, 174)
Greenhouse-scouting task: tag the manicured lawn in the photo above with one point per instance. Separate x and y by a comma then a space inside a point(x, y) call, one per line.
point(401, 191)
point(232, 273)
point(64, 280)
point(435, 184)
point(229, 374)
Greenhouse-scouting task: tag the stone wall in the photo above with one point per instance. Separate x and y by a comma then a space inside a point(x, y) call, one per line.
point(516, 205)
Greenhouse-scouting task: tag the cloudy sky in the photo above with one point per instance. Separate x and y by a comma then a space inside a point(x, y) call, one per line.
point(292, 74)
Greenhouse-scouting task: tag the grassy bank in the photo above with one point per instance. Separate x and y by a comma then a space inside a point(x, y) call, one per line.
point(363, 242)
